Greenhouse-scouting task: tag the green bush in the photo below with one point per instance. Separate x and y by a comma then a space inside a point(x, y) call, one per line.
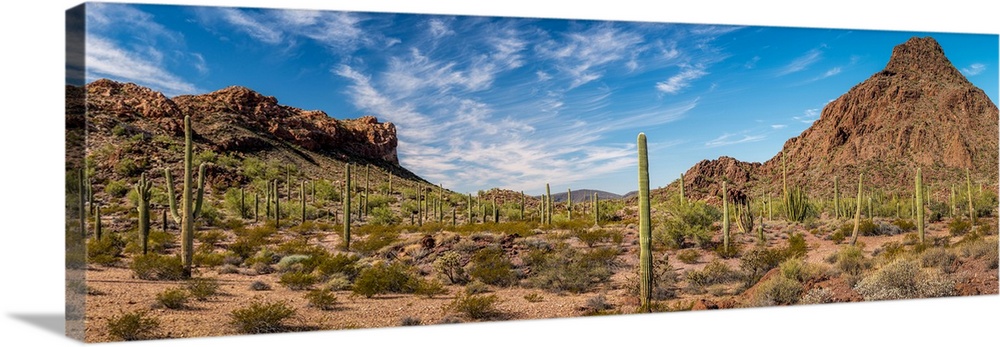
point(475, 306)
point(261, 317)
point(323, 299)
point(959, 226)
point(981, 249)
point(383, 215)
point(202, 288)
point(116, 188)
point(297, 280)
point(796, 246)
point(688, 256)
point(491, 266)
point(430, 288)
point(383, 278)
point(136, 325)
point(129, 167)
point(799, 270)
point(378, 236)
point(758, 261)
point(154, 266)
point(686, 224)
point(173, 298)
point(905, 225)
point(105, 251)
point(777, 290)
point(851, 260)
point(593, 236)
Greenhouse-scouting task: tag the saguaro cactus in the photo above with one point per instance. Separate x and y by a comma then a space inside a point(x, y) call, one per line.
point(597, 211)
point(143, 193)
point(522, 205)
point(920, 206)
point(548, 205)
point(968, 186)
point(347, 207)
point(836, 198)
point(682, 188)
point(97, 221)
point(857, 215)
point(645, 235)
point(569, 204)
point(82, 203)
point(496, 211)
point(191, 199)
point(725, 218)
point(302, 199)
point(470, 210)
point(277, 205)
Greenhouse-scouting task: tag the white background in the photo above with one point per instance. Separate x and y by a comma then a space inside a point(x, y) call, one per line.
point(31, 131)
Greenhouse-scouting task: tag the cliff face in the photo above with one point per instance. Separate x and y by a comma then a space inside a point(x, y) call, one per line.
point(242, 120)
point(919, 111)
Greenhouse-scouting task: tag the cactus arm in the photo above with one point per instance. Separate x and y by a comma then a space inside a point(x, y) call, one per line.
point(920, 206)
point(725, 218)
point(857, 215)
point(171, 198)
point(201, 191)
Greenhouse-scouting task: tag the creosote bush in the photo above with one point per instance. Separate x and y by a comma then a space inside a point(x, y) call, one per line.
point(105, 251)
point(323, 299)
point(686, 224)
point(172, 298)
point(491, 266)
point(382, 278)
point(261, 317)
point(688, 256)
point(154, 266)
point(202, 288)
point(776, 290)
point(136, 325)
point(903, 279)
point(475, 306)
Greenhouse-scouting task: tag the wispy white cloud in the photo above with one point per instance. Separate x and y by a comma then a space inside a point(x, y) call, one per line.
point(126, 44)
point(808, 116)
point(337, 31)
point(974, 69)
point(583, 55)
point(802, 62)
point(105, 59)
point(732, 139)
point(778, 126)
point(681, 80)
point(831, 72)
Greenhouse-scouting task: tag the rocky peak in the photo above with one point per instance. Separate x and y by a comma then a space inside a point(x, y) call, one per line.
point(921, 57)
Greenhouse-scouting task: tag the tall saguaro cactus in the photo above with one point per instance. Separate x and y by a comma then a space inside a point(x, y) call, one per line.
point(569, 204)
point(682, 188)
point(645, 235)
point(725, 218)
point(302, 200)
point(836, 198)
point(968, 186)
point(143, 193)
point(347, 207)
point(191, 199)
point(597, 214)
point(548, 205)
point(857, 215)
point(920, 206)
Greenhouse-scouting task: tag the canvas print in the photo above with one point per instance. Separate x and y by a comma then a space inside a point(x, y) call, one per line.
point(239, 171)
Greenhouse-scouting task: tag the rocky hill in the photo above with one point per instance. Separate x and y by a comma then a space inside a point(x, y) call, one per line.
point(133, 128)
point(919, 111)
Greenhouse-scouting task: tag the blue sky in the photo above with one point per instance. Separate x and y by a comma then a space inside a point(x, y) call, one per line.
point(516, 103)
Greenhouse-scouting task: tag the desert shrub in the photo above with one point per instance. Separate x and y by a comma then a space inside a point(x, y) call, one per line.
point(688, 256)
point(959, 226)
point(376, 201)
point(337, 264)
point(904, 225)
point(981, 249)
point(890, 250)
point(259, 286)
point(796, 246)
point(288, 262)
point(202, 288)
point(383, 278)
point(597, 304)
point(105, 251)
point(475, 306)
point(758, 261)
point(409, 321)
point(429, 288)
point(136, 325)
point(938, 210)
point(249, 241)
point(449, 265)
point(491, 266)
point(573, 270)
point(817, 296)
point(243, 208)
point(686, 224)
point(323, 299)
point(476, 287)
point(116, 188)
point(209, 259)
point(533, 297)
point(593, 236)
point(838, 236)
point(903, 279)
point(940, 258)
point(715, 272)
point(173, 298)
point(297, 280)
point(378, 236)
point(799, 270)
point(851, 260)
point(383, 215)
point(777, 290)
point(261, 317)
point(154, 266)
